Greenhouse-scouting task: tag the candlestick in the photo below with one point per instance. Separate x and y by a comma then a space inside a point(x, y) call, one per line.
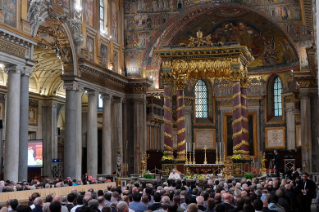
point(194, 157)
point(190, 158)
point(205, 161)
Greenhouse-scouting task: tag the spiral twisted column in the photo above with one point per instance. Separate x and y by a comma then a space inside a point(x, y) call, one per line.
point(168, 123)
point(237, 116)
point(244, 113)
point(180, 85)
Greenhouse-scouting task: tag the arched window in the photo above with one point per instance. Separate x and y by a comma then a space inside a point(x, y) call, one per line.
point(102, 15)
point(201, 99)
point(277, 97)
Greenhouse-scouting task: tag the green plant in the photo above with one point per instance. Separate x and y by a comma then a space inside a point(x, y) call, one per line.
point(248, 176)
point(148, 176)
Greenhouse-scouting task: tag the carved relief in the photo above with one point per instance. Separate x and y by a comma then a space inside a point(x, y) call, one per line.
point(275, 137)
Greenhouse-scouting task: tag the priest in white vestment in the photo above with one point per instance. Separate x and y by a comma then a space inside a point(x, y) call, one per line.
point(174, 175)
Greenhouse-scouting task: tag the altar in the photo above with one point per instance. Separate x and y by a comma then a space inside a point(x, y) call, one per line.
point(204, 168)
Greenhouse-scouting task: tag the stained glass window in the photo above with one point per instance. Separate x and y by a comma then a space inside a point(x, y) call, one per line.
point(101, 15)
point(201, 99)
point(277, 97)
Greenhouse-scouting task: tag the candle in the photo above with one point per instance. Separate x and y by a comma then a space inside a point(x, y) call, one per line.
point(186, 148)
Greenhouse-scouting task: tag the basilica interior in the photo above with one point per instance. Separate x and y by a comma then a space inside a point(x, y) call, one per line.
point(121, 86)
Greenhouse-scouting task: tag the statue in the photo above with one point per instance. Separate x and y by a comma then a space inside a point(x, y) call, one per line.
point(144, 162)
point(35, 9)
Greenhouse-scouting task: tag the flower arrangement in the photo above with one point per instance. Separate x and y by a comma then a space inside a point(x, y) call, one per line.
point(166, 158)
point(248, 176)
point(195, 176)
point(148, 176)
point(236, 157)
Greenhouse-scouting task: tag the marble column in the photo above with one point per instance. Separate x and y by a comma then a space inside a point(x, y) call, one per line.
point(168, 124)
point(237, 117)
point(92, 142)
point(11, 161)
point(106, 135)
point(139, 132)
point(306, 144)
point(120, 136)
point(24, 124)
point(73, 132)
point(244, 121)
point(291, 126)
point(180, 84)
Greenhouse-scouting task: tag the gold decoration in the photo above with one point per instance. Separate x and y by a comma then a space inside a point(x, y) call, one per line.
point(236, 75)
point(168, 122)
point(241, 151)
point(181, 131)
point(168, 109)
point(168, 147)
point(168, 97)
point(144, 162)
point(168, 87)
point(166, 64)
point(180, 119)
point(205, 161)
point(244, 82)
point(180, 108)
point(188, 172)
point(181, 143)
point(180, 83)
point(200, 41)
point(179, 97)
point(238, 107)
point(235, 135)
point(181, 152)
point(243, 96)
point(167, 77)
point(190, 158)
point(168, 135)
point(239, 120)
point(235, 95)
point(194, 158)
point(240, 144)
point(263, 162)
point(235, 84)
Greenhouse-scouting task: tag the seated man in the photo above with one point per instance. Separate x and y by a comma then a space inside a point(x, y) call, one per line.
point(174, 175)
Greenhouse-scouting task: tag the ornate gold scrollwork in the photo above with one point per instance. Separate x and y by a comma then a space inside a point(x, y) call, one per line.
point(239, 120)
point(181, 131)
point(167, 77)
point(240, 144)
point(181, 143)
point(180, 119)
point(241, 151)
point(180, 108)
point(168, 87)
point(168, 147)
point(168, 97)
point(179, 97)
point(168, 109)
point(181, 152)
point(168, 122)
point(168, 135)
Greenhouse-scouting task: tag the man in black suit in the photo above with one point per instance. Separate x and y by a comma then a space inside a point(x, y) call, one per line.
point(228, 202)
point(157, 202)
point(277, 162)
point(294, 173)
point(307, 188)
point(239, 205)
point(265, 206)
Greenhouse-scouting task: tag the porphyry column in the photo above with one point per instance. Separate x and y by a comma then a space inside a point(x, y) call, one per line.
point(24, 124)
point(237, 117)
point(92, 142)
point(244, 113)
point(11, 161)
point(168, 126)
point(107, 134)
point(180, 84)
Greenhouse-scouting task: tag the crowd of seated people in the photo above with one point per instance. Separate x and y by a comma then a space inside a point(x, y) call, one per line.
point(209, 195)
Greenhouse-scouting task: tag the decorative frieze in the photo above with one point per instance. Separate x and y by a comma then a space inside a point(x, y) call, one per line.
point(13, 49)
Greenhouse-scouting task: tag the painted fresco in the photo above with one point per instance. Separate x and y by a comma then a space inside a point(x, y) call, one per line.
point(137, 40)
point(10, 12)
point(116, 61)
point(104, 55)
point(114, 21)
point(90, 48)
point(89, 12)
point(65, 4)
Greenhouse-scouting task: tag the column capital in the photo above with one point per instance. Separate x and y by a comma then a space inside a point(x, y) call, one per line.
point(27, 71)
point(14, 69)
point(92, 92)
point(72, 85)
point(119, 100)
point(106, 96)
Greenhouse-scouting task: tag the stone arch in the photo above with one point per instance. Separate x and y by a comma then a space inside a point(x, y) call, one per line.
point(39, 13)
point(170, 30)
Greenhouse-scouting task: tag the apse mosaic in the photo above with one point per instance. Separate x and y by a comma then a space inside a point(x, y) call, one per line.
point(266, 41)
